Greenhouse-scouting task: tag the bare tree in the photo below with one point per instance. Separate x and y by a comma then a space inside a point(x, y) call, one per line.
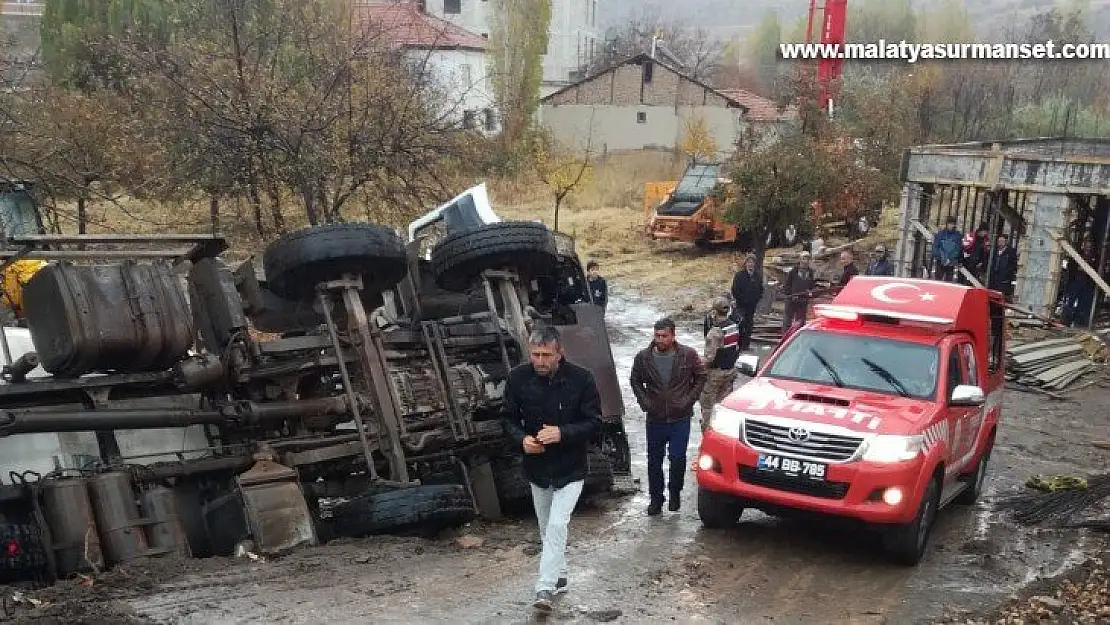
point(295, 98)
point(691, 48)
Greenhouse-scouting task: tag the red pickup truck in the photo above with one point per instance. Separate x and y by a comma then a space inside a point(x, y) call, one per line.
point(883, 408)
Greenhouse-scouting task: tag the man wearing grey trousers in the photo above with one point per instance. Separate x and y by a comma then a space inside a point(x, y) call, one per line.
point(552, 412)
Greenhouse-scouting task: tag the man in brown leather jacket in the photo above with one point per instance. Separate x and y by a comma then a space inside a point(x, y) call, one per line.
point(667, 379)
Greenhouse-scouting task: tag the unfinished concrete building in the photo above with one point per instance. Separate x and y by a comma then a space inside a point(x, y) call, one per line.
point(1050, 195)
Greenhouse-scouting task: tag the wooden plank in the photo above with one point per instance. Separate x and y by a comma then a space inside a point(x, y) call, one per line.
point(1029, 347)
point(1078, 258)
point(1048, 353)
point(1061, 372)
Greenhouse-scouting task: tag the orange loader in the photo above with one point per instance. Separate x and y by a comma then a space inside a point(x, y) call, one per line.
point(692, 210)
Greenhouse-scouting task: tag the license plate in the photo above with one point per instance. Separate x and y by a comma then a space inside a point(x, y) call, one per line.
point(792, 467)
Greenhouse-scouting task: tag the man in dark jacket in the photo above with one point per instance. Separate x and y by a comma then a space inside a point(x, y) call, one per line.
point(667, 379)
point(881, 266)
point(797, 288)
point(976, 254)
point(849, 270)
point(599, 289)
point(552, 412)
point(1003, 268)
point(948, 247)
point(747, 290)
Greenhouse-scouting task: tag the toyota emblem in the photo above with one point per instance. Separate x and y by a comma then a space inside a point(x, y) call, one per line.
point(798, 434)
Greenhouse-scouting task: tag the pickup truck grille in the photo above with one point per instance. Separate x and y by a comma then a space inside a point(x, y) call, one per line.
point(818, 445)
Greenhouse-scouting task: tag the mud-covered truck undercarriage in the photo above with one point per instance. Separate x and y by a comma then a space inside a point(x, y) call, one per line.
point(159, 402)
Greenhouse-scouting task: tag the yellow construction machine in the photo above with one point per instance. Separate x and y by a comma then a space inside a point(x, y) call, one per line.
point(19, 216)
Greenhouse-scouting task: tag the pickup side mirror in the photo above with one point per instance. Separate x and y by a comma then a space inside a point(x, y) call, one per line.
point(748, 364)
point(967, 395)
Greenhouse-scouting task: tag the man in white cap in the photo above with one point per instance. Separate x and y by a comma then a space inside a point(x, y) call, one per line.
point(881, 265)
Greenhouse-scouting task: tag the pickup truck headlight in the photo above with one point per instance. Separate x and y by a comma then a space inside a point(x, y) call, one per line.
point(890, 448)
point(726, 421)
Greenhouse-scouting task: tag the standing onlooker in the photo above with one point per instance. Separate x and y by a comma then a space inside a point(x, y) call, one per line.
point(1003, 266)
point(1079, 288)
point(599, 289)
point(881, 265)
point(947, 248)
point(722, 349)
point(850, 270)
point(798, 288)
point(977, 251)
point(747, 290)
point(552, 412)
point(710, 316)
point(667, 380)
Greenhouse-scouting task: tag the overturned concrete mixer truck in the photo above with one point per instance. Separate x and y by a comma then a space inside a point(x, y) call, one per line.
point(155, 401)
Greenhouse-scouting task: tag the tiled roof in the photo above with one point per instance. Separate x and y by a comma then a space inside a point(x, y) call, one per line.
point(760, 109)
point(405, 24)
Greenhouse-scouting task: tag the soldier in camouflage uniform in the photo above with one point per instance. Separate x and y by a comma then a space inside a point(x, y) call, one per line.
point(722, 348)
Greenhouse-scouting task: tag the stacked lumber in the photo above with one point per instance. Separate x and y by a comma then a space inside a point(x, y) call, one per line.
point(1054, 364)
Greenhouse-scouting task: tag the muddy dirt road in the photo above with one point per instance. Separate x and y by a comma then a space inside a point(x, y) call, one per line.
point(629, 568)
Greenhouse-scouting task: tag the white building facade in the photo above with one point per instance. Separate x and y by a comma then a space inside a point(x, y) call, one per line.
point(455, 57)
point(573, 36)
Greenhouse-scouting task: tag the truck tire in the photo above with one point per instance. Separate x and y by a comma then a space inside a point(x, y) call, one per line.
point(906, 544)
point(975, 479)
point(24, 555)
point(718, 510)
point(431, 508)
point(296, 262)
point(524, 246)
point(513, 490)
point(599, 473)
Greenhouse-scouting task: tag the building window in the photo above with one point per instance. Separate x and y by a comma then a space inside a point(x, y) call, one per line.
point(469, 119)
point(648, 69)
point(491, 120)
point(641, 117)
point(452, 7)
point(467, 81)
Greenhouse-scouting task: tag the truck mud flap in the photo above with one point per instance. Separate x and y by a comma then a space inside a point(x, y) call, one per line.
point(587, 344)
point(276, 509)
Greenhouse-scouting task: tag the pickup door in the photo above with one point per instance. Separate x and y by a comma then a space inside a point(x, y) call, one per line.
point(963, 421)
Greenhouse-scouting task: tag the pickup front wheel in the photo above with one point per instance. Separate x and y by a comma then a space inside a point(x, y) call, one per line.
point(718, 511)
point(906, 544)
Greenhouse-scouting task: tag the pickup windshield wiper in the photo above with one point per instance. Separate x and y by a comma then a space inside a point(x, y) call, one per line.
point(887, 377)
point(825, 363)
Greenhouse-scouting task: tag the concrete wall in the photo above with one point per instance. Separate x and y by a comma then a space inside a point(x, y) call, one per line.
point(573, 39)
point(1039, 255)
point(473, 15)
point(623, 128)
point(573, 36)
point(465, 79)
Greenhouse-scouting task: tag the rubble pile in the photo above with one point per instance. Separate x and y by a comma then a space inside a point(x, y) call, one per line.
point(1065, 501)
point(1083, 598)
point(1055, 364)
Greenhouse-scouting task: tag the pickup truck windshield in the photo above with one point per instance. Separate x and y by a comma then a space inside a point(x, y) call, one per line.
point(859, 362)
